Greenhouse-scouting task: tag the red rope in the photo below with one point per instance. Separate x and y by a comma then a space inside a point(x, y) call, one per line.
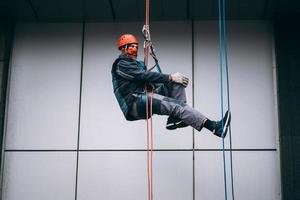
point(149, 128)
point(147, 11)
point(149, 145)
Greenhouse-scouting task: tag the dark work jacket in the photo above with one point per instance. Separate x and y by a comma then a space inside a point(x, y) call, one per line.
point(129, 76)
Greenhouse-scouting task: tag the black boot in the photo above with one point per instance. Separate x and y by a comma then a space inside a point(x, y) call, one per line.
point(218, 131)
point(174, 122)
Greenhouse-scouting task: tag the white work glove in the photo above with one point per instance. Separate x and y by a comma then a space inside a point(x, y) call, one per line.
point(179, 78)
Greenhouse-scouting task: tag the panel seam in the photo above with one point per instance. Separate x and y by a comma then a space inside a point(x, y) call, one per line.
point(79, 112)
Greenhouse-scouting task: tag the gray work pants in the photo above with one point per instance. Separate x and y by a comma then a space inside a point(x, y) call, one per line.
point(168, 99)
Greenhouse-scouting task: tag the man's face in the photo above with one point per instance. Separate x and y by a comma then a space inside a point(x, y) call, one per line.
point(132, 50)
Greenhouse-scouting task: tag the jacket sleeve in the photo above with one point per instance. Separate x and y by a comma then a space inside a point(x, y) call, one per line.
point(131, 71)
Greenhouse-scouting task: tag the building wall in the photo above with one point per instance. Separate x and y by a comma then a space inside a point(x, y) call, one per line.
point(288, 62)
point(66, 137)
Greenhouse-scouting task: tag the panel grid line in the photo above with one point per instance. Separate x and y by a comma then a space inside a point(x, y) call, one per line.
point(126, 150)
point(79, 113)
point(193, 105)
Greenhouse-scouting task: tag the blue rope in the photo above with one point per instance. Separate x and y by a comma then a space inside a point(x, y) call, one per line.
point(223, 36)
point(228, 95)
point(222, 106)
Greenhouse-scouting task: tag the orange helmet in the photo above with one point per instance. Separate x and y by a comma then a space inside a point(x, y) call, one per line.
point(126, 39)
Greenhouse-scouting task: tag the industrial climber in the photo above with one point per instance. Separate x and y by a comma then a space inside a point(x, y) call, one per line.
point(129, 77)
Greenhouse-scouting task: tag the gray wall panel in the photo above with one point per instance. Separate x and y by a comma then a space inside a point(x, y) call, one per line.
point(173, 175)
point(44, 87)
point(256, 175)
point(39, 175)
point(251, 82)
point(103, 124)
point(112, 175)
point(123, 175)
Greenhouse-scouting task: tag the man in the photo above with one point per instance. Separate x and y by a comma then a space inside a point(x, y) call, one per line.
point(129, 78)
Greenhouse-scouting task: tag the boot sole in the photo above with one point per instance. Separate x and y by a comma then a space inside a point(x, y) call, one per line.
point(226, 125)
point(175, 126)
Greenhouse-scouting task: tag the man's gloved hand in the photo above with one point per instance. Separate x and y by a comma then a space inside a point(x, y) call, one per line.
point(179, 78)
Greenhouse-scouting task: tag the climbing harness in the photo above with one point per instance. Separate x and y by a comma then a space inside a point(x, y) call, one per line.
point(223, 46)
